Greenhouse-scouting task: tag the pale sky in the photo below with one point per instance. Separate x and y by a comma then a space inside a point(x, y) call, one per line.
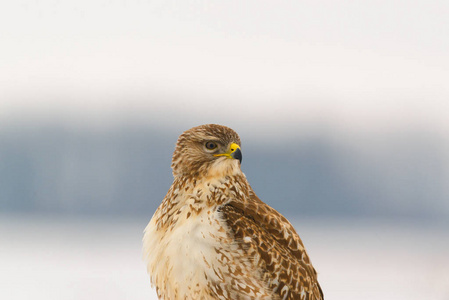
point(352, 64)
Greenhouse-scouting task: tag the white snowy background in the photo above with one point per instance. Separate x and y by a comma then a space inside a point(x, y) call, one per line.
point(81, 259)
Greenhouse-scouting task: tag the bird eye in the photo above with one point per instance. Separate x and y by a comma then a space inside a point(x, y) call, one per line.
point(211, 145)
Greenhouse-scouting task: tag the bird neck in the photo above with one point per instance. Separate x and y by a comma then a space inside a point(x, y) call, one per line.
point(196, 194)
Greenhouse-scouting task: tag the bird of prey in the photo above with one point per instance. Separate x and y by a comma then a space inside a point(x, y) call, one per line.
point(213, 238)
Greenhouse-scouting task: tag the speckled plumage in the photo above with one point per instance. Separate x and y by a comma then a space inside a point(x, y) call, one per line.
point(213, 238)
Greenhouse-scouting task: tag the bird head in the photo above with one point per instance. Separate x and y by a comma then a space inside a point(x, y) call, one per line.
point(207, 150)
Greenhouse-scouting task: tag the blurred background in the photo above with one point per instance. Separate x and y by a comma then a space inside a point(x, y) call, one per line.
point(342, 108)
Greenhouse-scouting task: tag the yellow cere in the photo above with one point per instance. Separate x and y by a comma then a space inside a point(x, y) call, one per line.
point(234, 147)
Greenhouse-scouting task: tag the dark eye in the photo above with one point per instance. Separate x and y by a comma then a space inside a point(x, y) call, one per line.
point(211, 145)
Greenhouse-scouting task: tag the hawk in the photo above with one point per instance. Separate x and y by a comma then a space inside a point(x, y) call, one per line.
point(213, 238)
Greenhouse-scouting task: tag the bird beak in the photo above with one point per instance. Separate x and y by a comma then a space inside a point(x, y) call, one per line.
point(233, 152)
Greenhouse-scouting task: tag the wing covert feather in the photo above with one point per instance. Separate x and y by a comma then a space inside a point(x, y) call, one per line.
point(271, 241)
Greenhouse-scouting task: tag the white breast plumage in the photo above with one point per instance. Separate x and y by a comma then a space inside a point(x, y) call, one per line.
point(184, 259)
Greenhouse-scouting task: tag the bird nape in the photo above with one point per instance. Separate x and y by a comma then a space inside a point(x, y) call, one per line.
point(213, 238)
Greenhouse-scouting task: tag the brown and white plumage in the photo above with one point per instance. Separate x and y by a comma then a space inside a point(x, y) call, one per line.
point(213, 238)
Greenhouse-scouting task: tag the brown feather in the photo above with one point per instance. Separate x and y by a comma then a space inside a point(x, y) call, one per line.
point(275, 247)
